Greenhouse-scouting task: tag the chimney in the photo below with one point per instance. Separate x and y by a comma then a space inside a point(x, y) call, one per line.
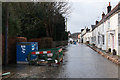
point(109, 8)
point(97, 22)
point(103, 14)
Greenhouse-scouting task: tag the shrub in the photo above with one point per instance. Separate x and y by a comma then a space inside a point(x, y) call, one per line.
point(114, 52)
point(109, 50)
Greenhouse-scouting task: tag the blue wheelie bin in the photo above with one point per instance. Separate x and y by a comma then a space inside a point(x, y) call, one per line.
point(24, 48)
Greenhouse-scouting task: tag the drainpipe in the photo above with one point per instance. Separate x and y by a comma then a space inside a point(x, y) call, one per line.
point(6, 36)
point(113, 41)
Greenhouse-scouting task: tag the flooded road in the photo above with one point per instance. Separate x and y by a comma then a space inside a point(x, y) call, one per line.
point(80, 61)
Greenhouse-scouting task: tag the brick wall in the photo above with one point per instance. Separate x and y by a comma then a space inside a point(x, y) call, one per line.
point(11, 48)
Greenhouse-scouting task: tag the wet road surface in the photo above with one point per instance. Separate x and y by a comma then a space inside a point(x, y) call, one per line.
point(80, 61)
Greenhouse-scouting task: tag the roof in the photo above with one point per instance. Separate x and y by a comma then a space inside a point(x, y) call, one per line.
point(107, 16)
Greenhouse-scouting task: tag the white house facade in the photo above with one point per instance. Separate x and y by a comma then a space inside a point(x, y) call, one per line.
point(84, 35)
point(106, 34)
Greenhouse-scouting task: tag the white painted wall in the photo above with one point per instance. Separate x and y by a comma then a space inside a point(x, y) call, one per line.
point(113, 31)
point(119, 33)
point(105, 29)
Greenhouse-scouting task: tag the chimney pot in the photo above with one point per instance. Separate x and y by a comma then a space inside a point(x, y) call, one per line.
point(103, 14)
point(109, 8)
point(109, 4)
point(97, 22)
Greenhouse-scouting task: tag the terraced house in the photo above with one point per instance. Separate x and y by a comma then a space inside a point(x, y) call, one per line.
point(84, 35)
point(106, 34)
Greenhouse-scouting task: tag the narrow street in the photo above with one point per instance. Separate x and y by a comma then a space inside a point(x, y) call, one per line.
point(80, 61)
point(60, 39)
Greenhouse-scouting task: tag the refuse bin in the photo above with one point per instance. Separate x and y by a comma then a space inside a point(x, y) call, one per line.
point(23, 48)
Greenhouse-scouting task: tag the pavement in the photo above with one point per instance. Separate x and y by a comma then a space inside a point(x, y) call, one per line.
point(109, 56)
point(80, 61)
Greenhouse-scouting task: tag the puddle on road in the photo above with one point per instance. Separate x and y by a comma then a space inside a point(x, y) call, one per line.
point(33, 71)
point(79, 62)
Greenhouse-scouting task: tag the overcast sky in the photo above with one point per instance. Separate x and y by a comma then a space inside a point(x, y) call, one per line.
point(86, 12)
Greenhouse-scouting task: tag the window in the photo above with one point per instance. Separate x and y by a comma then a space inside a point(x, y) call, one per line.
point(119, 39)
point(109, 39)
point(103, 27)
point(94, 39)
point(103, 39)
point(98, 39)
point(108, 22)
point(119, 19)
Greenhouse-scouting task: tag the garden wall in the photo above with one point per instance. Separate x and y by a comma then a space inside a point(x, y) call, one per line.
point(43, 42)
point(11, 48)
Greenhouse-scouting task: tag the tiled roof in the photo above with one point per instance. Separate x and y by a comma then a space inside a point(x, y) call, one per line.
point(107, 16)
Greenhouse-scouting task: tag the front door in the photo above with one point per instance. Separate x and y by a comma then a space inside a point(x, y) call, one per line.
point(113, 42)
